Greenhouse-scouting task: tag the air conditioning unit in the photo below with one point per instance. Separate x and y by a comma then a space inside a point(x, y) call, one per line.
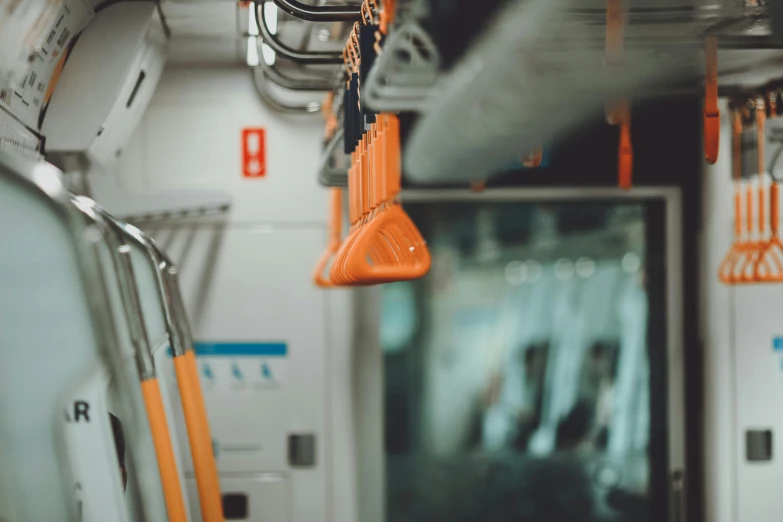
point(106, 86)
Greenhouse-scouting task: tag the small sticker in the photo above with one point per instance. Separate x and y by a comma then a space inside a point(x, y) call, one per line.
point(253, 153)
point(777, 344)
point(240, 367)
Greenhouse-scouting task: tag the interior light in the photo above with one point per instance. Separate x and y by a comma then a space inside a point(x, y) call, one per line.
point(253, 59)
point(252, 25)
point(270, 14)
point(269, 54)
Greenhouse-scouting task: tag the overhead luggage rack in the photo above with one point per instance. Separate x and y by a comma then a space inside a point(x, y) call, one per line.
point(495, 112)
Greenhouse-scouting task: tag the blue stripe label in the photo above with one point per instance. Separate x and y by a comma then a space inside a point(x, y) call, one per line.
point(241, 349)
point(777, 344)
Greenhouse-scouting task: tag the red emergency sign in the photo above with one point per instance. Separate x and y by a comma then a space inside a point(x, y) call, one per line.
point(254, 153)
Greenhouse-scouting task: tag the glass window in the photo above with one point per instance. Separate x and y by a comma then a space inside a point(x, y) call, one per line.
point(518, 372)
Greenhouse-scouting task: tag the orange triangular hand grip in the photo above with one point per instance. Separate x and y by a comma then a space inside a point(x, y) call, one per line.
point(625, 153)
point(335, 232)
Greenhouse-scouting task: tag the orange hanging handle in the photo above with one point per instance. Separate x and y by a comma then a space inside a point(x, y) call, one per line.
point(625, 160)
point(749, 210)
point(387, 15)
point(760, 126)
point(614, 52)
point(727, 270)
point(199, 437)
point(335, 234)
point(711, 111)
point(164, 451)
point(533, 159)
point(774, 208)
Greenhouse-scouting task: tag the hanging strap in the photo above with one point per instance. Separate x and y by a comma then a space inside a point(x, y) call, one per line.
point(711, 111)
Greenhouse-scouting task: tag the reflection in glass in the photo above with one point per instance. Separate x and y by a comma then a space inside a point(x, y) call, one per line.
point(517, 381)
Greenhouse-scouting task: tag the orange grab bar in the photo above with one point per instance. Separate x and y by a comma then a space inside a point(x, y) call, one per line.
point(161, 438)
point(199, 437)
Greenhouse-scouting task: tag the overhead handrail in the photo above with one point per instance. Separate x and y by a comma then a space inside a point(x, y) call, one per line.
point(322, 13)
point(191, 397)
point(711, 111)
point(311, 107)
point(150, 388)
point(272, 74)
point(303, 57)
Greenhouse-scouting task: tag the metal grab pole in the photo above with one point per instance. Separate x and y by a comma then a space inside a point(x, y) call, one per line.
point(295, 55)
point(153, 401)
point(321, 13)
point(191, 397)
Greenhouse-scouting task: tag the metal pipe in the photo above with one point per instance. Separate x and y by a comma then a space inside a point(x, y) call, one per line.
point(150, 388)
point(295, 84)
point(181, 342)
point(312, 107)
point(328, 175)
point(129, 294)
point(325, 13)
point(311, 58)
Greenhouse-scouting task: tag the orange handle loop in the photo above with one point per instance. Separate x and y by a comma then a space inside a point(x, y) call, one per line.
point(335, 234)
point(736, 152)
point(760, 125)
point(533, 159)
point(711, 111)
point(761, 120)
point(336, 222)
point(387, 15)
point(749, 210)
point(737, 213)
point(625, 162)
point(774, 208)
point(161, 438)
point(199, 437)
point(762, 208)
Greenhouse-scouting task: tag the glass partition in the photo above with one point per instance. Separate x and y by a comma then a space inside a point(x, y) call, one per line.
point(525, 375)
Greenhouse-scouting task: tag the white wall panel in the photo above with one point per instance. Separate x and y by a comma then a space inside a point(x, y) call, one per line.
point(719, 385)
point(759, 377)
point(743, 375)
point(190, 138)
